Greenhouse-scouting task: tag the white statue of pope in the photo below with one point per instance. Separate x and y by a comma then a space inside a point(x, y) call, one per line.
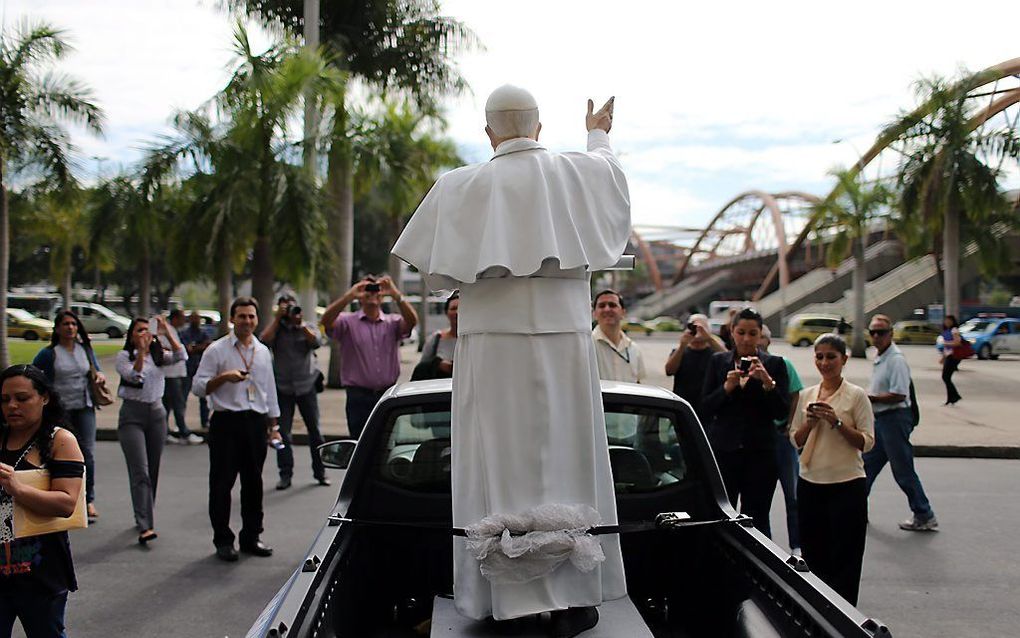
point(520, 236)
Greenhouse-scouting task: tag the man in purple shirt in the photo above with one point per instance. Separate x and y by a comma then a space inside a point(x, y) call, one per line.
point(369, 341)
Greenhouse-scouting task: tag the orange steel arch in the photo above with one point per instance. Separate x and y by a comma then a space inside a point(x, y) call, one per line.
point(648, 258)
point(893, 132)
point(768, 202)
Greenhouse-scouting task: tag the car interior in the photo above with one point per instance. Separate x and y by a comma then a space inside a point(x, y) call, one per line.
point(385, 578)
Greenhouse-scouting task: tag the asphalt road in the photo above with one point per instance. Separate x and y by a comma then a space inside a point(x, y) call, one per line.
point(961, 581)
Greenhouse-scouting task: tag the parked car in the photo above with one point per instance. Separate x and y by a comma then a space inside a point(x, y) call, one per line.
point(22, 323)
point(802, 330)
point(381, 564)
point(664, 324)
point(992, 336)
point(98, 318)
point(913, 331)
point(39, 304)
point(633, 325)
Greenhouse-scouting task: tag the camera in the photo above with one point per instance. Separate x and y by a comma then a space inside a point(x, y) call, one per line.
point(745, 364)
point(372, 287)
point(692, 328)
point(294, 311)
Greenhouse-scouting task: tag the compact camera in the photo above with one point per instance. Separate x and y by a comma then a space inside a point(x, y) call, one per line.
point(372, 287)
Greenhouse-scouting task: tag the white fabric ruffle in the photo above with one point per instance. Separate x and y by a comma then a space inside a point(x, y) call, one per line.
point(549, 535)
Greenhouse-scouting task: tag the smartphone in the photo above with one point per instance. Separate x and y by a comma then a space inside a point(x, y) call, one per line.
point(745, 364)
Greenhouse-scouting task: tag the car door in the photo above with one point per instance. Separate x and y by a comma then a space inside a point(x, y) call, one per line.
point(88, 317)
point(13, 330)
point(1012, 340)
point(1000, 338)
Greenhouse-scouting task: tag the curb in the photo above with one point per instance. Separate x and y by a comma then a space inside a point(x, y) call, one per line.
point(928, 451)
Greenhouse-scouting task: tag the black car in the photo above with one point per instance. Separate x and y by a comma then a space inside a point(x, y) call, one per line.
point(382, 563)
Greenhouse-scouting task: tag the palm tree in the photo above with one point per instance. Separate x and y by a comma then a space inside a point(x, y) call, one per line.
point(949, 178)
point(849, 211)
point(398, 156)
point(385, 44)
point(33, 104)
point(56, 218)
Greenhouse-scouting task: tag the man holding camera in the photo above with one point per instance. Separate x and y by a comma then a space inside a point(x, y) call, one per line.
point(617, 356)
point(688, 363)
point(293, 343)
point(369, 344)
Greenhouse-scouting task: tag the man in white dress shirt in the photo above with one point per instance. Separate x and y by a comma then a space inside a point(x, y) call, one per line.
point(236, 375)
point(528, 431)
point(618, 356)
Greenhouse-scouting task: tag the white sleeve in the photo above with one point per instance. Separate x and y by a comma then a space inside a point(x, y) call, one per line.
point(207, 369)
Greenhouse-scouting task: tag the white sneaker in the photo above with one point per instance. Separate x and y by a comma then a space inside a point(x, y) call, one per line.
point(912, 524)
point(172, 440)
point(193, 439)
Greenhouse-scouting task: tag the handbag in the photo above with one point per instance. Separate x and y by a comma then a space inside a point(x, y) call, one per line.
point(28, 523)
point(963, 351)
point(429, 368)
point(99, 393)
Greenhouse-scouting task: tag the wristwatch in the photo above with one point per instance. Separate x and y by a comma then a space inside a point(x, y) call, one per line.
point(838, 424)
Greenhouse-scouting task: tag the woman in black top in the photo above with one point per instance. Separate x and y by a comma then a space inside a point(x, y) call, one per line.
point(36, 573)
point(741, 404)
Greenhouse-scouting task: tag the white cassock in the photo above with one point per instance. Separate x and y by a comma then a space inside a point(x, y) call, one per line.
point(520, 236)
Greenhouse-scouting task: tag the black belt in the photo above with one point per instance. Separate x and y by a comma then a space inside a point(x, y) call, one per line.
point(663, 521)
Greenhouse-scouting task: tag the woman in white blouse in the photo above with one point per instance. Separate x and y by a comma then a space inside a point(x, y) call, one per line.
point(833, 425)
point(141, 426)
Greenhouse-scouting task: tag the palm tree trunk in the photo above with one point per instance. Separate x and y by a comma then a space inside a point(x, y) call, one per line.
point(66, 284)
point(860, 276)
point(262, 275)
point(145, 294)
point(340, 223)
point(951, 260)
point(5, 254)
point(224, 290)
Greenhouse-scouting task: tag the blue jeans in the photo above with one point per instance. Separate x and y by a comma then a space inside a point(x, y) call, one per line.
point(175, 400)
point(83, 424)
point(41, 616)
point(308, 405)
point(360, 403)
point(892, 445)
point(789, 471)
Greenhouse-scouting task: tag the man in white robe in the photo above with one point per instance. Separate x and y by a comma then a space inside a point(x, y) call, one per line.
point(519, 236)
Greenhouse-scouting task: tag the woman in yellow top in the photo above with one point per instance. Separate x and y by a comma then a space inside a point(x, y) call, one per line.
point(833, 425)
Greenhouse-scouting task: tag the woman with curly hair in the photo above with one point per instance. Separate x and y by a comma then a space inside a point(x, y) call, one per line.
point(36, 573)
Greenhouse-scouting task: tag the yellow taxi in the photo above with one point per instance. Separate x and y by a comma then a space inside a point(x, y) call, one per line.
point(802, 330)
point(915, 332)
point(22, 323)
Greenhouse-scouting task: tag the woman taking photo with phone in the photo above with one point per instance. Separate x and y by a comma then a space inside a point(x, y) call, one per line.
point(833, 425)
point(142, 426)
point(36, 572)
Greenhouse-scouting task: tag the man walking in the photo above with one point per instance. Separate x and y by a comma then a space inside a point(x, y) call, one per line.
point(890, 399)
point(195, 341)
point(617, 356)
point(236, 374)
point(293, 344)
point(369, 344)
point(175, 397)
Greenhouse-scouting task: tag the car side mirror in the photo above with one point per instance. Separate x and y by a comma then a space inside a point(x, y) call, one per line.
point(337, 454)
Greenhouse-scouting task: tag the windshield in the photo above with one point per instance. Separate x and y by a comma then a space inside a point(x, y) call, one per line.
point(976, 325)
point(644, 450)
point(21, 315)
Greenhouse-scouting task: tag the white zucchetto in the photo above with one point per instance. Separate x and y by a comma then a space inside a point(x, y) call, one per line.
point(510, 98)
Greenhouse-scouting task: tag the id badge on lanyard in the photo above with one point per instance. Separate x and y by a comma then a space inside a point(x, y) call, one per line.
point(252, 393)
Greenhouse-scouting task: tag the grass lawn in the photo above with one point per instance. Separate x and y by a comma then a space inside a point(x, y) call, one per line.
point(24, 351)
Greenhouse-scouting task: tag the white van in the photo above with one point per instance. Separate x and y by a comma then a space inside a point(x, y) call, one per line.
point(98, 318)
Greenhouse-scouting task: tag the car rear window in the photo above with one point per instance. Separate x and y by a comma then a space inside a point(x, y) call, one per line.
point(644, 450)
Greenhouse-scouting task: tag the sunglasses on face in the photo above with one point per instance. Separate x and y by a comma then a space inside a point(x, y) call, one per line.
point(881, 332)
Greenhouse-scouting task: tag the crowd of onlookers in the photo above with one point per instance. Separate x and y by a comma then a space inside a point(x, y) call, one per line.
point(824, 445)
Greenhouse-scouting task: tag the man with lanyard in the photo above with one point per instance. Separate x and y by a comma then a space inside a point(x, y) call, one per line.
point(236, 374)
point(369, 344)
point(890, 399)
point(617, 356)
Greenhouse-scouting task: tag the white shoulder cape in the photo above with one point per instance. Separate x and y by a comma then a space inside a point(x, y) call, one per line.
point(525, 206)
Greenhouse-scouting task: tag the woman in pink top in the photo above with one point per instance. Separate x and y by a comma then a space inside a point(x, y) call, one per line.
point(833, 425)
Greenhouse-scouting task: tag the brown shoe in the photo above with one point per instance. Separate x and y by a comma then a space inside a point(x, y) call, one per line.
point(90, 511)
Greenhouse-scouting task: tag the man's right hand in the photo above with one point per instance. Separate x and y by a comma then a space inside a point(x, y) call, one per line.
point(601, 119)
point(234, 376)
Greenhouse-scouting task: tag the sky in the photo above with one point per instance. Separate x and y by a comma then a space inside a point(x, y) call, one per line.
point(712, 99)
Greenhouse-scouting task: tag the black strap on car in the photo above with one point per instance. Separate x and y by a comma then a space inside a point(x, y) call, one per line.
point(663, 521)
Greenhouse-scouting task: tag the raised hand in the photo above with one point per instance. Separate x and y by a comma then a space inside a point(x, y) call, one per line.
point(601, 119)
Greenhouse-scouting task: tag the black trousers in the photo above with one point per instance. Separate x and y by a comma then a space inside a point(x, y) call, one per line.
point(751, 476)
point(833, 528)
point(949, 366)
point(237, 443)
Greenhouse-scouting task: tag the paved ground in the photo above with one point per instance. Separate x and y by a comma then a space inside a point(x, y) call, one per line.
point(984, 418)
point(961, 581)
